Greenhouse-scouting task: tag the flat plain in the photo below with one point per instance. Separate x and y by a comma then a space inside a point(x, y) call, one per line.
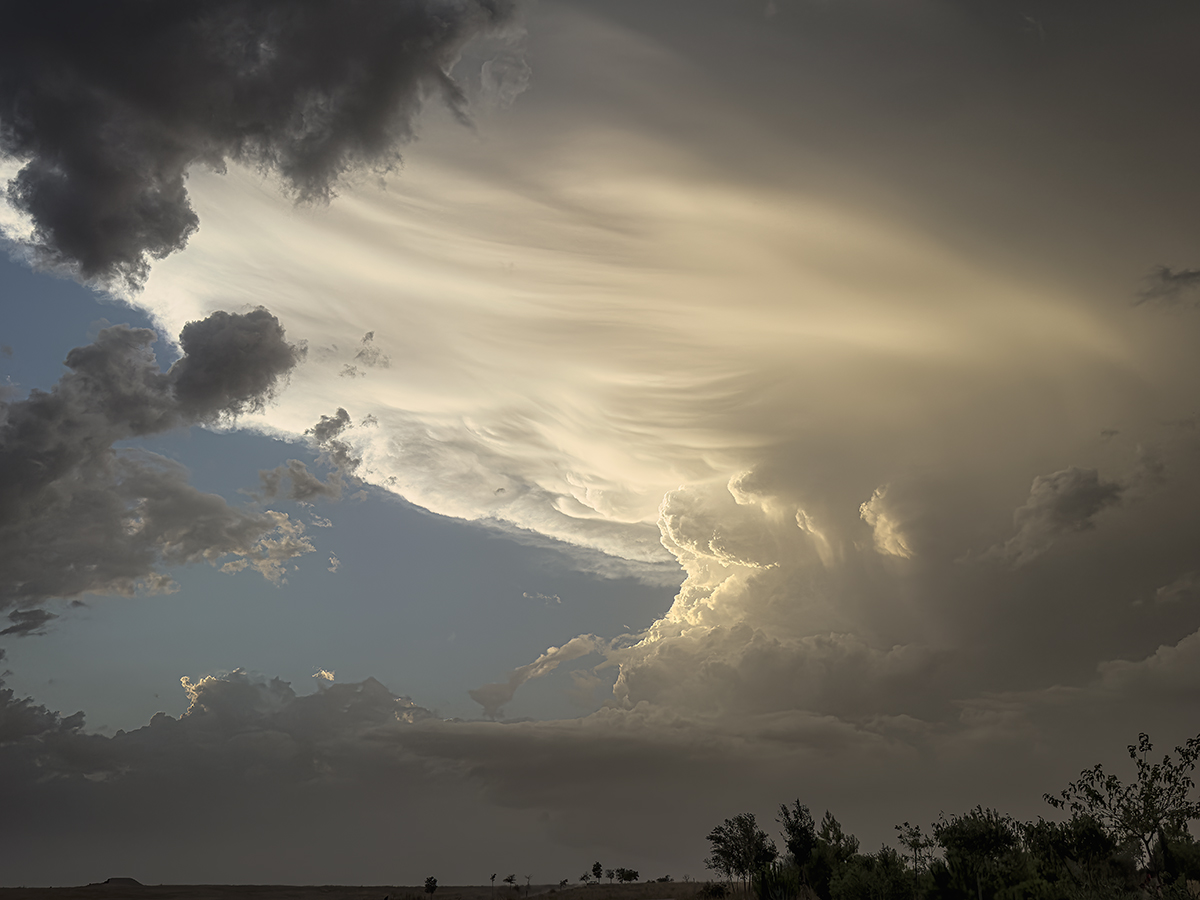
point(120, 889)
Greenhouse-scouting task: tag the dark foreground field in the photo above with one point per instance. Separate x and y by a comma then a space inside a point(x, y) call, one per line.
point(119, 891)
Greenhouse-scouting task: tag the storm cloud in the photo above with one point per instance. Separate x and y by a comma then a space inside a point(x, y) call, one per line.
point(79, 515)
point(803, 323)
point(108, 106)
point(1059, 503)
point(27, 621)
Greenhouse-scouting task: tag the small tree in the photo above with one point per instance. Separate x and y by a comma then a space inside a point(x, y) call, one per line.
point(920, 847)
point(740, 847)
point(977, 844)
point(624, 875)
point(511, 880)
point(799, 832)
point(609, 874)
point(833, 849)
point(430, 885)
point(597, 870)
point(1145, 814)
point(493, 884)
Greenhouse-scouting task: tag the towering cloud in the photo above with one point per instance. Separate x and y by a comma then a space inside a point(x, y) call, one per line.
point(109, 105)
point(78, 515)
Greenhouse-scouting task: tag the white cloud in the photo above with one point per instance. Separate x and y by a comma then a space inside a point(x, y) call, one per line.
point(889, 539)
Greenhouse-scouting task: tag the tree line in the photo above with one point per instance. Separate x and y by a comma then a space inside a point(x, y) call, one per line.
point(598, 871)
point(1119, 841)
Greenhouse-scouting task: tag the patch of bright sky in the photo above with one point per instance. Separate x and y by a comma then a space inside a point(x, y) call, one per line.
point(428, 605)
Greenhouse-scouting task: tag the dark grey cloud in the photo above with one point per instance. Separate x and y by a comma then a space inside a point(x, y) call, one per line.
point(231, 363)
point(1070, 500)
point(370, 355)
point(78, 515)
point(21, 719)
point(330, 426)
point(109, 105)
point(1060, 503)
point(303, 485)
point(250, 765)
point(225, 714)
point(335, 453)
point(250, 752)
point(1171, 287)
point(27, 621)
point(493, 697)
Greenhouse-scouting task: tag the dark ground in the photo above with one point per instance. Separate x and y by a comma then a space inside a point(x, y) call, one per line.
point(120, 889)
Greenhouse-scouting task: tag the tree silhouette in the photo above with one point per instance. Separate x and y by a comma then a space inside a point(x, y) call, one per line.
point(881, 875)
point(976, 846)
point(511, 879)
point(920, 846)
point(597, 870)
point(740, 847)
point(1081, 854)
point(609, 874)
point(1122, 842)
point(799, 832)
point(832, 851)
point(430, 885)
point(1146, 813)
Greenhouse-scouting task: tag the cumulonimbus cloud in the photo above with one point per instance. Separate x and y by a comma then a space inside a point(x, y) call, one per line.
point(78, 515)
point(107, 106)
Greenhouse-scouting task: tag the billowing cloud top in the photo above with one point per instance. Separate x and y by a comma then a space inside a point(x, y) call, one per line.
point(843, 324)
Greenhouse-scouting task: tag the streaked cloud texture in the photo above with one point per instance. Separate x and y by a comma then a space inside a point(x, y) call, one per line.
point(872, 324)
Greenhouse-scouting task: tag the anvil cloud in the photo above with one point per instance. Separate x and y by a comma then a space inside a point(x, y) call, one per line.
point(870, 324)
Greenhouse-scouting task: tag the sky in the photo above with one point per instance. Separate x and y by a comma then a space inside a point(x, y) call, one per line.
point(465, 436)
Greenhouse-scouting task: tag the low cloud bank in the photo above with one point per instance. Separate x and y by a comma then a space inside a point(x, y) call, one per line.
point(268, 784)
